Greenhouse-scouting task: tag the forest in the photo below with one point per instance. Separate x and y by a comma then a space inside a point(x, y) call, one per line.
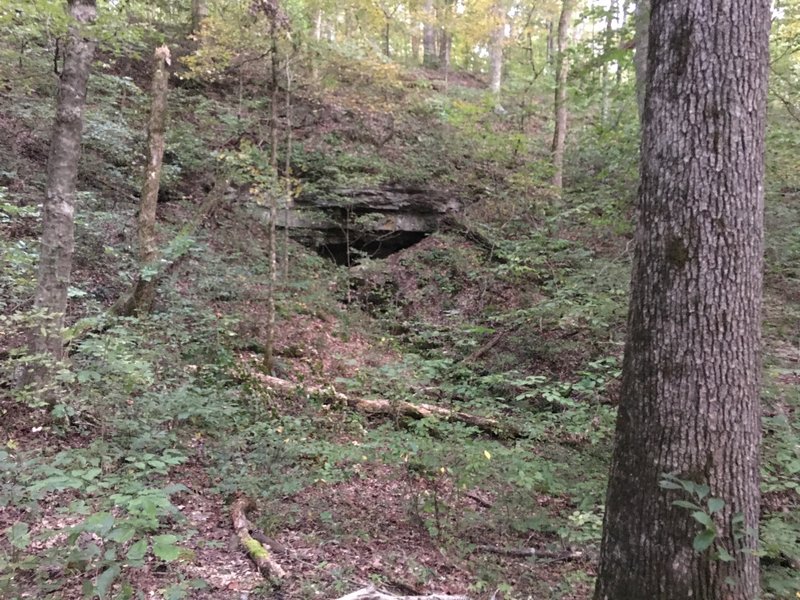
point(400, 299)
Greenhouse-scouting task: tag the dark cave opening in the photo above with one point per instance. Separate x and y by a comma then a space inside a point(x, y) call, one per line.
point(383, 246)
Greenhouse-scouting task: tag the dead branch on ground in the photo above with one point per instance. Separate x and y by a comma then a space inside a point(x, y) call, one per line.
point(533, 552)
point(397, 407)
point(370, 593)
point(259, 553)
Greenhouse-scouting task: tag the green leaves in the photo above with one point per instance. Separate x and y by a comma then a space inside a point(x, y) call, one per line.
point(105, 580)
point(99, 523)
point(703, 516)
point(687, 504)
point(165, 548)
point(137, 551)
point(122, 534)
point(703, 540)
point(19, 535)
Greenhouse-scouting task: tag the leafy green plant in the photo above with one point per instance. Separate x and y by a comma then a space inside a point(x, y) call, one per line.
point(703, 508)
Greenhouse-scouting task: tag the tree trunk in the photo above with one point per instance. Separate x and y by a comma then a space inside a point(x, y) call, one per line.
point(560, 104)
point(444, 49)
point(690, 388)
point(318, 25)
point(608, 44)
point(287, 171)
point(317, 38)
point(429, 59)
point(144, 291)
point(199, 12)
point(626, 9)
point(641, 41)
point(272, 251)
point(387, 30)
point(58, 225)
point(496, 48)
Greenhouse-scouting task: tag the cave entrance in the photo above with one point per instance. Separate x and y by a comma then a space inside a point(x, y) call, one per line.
point(362, 247)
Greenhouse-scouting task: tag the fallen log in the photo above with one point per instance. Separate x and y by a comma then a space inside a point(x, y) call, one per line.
point(493, 341)
point(371, 593)
point(533, 552)
point(478, 499)
point(397, 407)
point(259, 553)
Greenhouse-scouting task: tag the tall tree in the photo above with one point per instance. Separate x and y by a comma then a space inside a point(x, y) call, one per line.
point(199, 12)
point(560, 103)
point(388, 10)
point(429, 58)
point(608, 45)
point(690, 392)
point(143, 294)
point(279, 22)
point(641, 42)
point(317, 25)
point(58, 224)
point(444, 11)
point(496, 47)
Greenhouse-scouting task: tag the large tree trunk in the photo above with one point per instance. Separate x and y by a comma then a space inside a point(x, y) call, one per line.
point(496, 48)
point(199, 12)
point(429, 58)
point(560, 104)
point(144, 290)
point(690, 391)
point(58, 226)
point(641, 40)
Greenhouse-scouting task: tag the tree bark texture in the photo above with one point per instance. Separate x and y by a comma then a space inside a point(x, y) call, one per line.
point(496, 48)
point(144, 292)
point(560, 103)
point(429, 58)
point(58, 226)
point(690, 391)
point(641, 42)
point(199, 12)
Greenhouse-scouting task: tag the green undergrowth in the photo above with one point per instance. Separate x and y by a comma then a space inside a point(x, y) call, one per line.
point(155, 409)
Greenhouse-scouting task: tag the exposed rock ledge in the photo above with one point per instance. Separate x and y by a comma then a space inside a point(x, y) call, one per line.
point(346, 224)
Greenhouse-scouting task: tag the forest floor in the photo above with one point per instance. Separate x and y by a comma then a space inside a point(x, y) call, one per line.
point(169, 419)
